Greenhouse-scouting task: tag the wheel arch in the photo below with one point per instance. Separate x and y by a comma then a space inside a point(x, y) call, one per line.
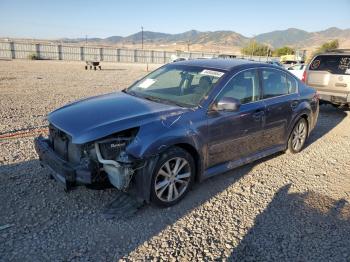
point(304, 115)
point(196, 157)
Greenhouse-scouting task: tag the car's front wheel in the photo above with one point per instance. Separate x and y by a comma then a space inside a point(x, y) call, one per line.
point(172, 177)
point(298, 136)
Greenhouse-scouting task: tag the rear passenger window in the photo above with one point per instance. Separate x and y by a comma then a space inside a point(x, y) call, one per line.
point(292, 84)
point(244, 87)
point(334, 64)
point(274, 83)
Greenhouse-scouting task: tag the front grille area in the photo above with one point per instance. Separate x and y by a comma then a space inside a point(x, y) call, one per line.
point(62, 145)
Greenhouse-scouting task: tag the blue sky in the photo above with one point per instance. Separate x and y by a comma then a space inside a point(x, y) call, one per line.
point(99, 18)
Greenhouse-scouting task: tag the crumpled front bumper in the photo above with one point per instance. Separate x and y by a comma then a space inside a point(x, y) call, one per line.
point(69, 175)
point(62, 170)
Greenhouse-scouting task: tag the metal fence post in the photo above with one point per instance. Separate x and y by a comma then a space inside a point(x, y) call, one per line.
point(152, 56)
point(164, 56)
point(101, 54)
point(118, 55)
point(37, 50)
point(59, 52)
point(12, 49)
point(135, 55)
point(82, 56)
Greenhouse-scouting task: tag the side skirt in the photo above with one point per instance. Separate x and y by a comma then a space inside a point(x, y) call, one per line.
point(227, 166)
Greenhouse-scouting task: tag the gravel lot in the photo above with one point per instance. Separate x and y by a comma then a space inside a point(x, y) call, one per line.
point(282, 208)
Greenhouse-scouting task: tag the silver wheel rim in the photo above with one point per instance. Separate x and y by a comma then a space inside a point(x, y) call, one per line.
point(172, 179)
point(299, 136)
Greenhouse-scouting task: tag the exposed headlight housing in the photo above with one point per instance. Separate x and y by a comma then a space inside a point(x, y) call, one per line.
point(109, 150)
point(112, 146)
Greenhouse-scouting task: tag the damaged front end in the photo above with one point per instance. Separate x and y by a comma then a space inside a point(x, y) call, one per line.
point(91, 163)
point(116, 163)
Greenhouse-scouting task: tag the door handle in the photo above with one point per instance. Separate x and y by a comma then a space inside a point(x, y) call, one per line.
point(294, 104)
point(258, 115)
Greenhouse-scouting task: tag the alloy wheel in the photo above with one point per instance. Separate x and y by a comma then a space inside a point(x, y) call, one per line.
point(172, 179)
point(299, 136)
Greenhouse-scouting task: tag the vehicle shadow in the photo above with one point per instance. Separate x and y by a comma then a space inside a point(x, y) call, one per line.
point(298, 227)
point(329, 118)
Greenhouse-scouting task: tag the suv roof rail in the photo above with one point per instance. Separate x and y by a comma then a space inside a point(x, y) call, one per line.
point(346, 50)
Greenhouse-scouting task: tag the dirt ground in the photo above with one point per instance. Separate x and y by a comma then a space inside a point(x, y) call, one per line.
point(282, 208)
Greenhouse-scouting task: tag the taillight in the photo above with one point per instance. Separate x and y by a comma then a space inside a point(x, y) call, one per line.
point(304, 77)
point(316, 97)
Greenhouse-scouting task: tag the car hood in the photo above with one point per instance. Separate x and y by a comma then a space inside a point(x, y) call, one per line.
point(96, 117)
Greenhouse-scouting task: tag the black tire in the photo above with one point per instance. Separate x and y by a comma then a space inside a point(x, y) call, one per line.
point(170, 156)
point(86, 68)
point(301, 138)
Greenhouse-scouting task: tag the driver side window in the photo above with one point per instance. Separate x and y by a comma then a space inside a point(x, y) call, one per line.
point(244, 87)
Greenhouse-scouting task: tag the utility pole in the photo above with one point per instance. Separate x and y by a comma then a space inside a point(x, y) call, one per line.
point(142, 37)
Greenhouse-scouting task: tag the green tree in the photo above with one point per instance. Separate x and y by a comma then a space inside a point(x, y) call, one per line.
point(285, 50)
point(334, 44)
point(325, 47)
point(254, 48)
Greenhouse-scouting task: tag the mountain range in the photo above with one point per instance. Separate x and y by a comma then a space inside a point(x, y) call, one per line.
point(291, 37)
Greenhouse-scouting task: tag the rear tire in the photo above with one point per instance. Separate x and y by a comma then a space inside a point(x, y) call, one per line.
point(172, 177)
point(298, 136)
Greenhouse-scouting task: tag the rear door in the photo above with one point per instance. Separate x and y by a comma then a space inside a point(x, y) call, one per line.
point(281, 99)
point(330, 74)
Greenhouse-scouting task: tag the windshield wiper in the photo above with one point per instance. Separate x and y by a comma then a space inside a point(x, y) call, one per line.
point(152, 98)
point(164, 101)
point(130, 92)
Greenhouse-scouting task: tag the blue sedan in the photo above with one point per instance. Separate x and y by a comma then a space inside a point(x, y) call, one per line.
point(183, 123)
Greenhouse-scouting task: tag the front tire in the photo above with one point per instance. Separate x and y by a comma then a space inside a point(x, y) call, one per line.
point(298, 136)
point(172, 177)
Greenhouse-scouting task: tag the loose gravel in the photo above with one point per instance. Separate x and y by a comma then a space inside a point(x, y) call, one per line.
point(282, 208)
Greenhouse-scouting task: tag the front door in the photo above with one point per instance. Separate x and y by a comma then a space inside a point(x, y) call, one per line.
point(234, 135)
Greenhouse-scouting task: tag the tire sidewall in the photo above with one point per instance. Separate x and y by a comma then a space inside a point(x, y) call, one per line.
point(165, 156)
point(290, 146)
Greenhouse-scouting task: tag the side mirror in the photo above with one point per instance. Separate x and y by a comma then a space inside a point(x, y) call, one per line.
point(228, 104)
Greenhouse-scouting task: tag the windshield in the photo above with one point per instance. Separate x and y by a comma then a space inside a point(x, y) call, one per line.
point(181, 85)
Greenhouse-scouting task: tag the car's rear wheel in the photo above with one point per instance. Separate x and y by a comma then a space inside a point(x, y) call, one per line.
point(172, 177)
point(298, 136)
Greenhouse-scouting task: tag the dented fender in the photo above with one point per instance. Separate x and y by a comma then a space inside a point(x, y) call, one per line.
point(155, 137)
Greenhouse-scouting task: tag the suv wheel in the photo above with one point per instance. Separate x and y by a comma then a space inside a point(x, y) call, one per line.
point(172, 177)
point(298, 136)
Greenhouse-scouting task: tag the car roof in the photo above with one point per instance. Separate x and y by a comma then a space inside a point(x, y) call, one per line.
point(336, 52)
point(223, 64)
